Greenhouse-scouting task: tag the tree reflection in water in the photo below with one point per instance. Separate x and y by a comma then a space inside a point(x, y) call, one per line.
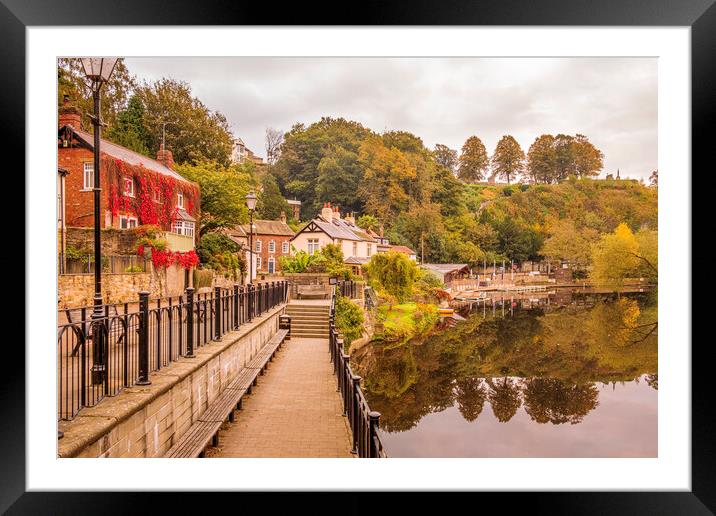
point(550, 360)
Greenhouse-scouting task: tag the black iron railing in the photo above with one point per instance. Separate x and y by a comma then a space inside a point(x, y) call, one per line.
point(98, 358)
point(364, 422)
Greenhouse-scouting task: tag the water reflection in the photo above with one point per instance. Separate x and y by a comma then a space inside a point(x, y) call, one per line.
point(538, 369)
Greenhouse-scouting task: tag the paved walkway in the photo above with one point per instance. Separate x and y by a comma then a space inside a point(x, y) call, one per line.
point(294, 411)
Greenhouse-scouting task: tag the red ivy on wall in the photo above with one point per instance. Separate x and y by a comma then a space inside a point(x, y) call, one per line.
point(165, 258)
point(148, 186)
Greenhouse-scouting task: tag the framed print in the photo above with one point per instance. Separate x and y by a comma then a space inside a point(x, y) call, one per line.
point(427, 237)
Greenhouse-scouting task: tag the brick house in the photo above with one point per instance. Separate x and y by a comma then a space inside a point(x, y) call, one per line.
point(135, 188)
point(272, 239)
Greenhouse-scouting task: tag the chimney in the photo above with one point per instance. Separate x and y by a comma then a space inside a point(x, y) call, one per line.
point(327, 212)
point(165, 157)
point(283, 217)
point(336, 213)
point(350, 218)
point(69, 114)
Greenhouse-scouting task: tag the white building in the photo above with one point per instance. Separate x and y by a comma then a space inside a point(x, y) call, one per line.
point(330, 228)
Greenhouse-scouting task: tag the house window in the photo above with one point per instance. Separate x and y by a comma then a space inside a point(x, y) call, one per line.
point(258, 263)
point(271, 265)
point(369, 249)
point(284, 248)
point(180, 200)
point(183, 227)
point(88, 169)
point(126, 222)
point(355, 248)
point(313, 245)
point(272, 247)
point(258, 246)
point(157, 195)
point(129, 187)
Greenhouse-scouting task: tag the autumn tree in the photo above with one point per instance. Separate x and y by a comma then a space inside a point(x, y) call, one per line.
point(549, 400)
point(508, 159)
point(654, 179)
point(368, 222)
point(446, 157)
point(566, 242)
point(540, 159)
point(473, 162)
point(394, 273)
point(615, 257)
point(505, 398)
point(588, 160)
point(470, 394)
point(193, 132)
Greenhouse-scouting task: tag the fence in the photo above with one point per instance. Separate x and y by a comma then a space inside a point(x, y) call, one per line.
point(110, 263)
point(363, 422)
point(100, 356)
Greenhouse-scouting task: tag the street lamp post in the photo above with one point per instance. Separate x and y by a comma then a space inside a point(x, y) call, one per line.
point(251, 205)
point(98, 70)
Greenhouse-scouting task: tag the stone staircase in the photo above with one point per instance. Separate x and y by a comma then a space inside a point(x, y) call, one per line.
point(308, 320)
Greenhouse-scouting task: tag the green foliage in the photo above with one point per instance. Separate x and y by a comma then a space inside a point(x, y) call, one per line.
point(508, 159)
point(223, 193)
point(445, 157)
point(300, 262)
point(271, 203)
point(402, 322)
point(217, 251)
point(129, 130)
point(133, 268)
point(349, 319)
point(393, 273)
point(622, 254)
point(552, 159)
point(194, 133)
point(473, 160)
point(368, 222)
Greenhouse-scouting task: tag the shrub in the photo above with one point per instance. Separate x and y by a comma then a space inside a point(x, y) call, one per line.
point(202, 278)
point(394, 273)
point(349, 319)
point(134, 268)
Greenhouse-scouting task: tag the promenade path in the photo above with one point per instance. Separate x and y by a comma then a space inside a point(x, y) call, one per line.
point(294, 411)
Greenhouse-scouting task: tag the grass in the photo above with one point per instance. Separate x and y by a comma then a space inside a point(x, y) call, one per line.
point(407, 320)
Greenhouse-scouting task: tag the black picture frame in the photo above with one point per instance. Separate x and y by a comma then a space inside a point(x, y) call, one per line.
point(700, 15)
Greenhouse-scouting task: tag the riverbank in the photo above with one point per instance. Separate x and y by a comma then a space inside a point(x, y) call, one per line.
point(401, 322)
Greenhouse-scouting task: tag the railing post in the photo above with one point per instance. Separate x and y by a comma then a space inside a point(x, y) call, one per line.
point(346, 379)
point(217, 313)
point(143, 339)
point(236, 306)
point(242, 304)
point(189, 322)
point(373, 425)
point(250, 301)
point(354, 412)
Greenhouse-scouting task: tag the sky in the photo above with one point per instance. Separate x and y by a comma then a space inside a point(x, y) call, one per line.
point(613, 101)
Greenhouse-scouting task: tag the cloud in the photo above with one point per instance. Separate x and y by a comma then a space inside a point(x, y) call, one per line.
point(442, 100)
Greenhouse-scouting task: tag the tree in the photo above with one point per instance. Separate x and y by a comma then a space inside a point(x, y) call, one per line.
point(517, 241)
point(541, 159)
point(129, 130)
point(446, 157)
point(71, 81)
point(648, 254)
point(193, 132)
point(564, 163)
point(271, 203)
point(567, 243)
point(588, 160)
point(339, 175)
point(470, 394)
point(223, 192)
point(274, 139)
point(505, 398)
point(615, 257)
point(549, 400)
point(654, 179)
point(473, 161)
point(368, 222)
point(508, 159)
point(394, 273)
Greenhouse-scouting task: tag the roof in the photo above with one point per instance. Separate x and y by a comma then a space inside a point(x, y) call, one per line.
point(356, 260)
point(126, 155)
point(444, 268)
point(269, 227)
point(401, 249)
point(184, 215)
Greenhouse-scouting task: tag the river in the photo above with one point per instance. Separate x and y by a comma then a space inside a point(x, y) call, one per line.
point(548, 375)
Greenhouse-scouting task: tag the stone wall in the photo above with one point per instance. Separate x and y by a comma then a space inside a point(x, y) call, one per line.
point(77, 290)
point(146, 421)
point(114, 241)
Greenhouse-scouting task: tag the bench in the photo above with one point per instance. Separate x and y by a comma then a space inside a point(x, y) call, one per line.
point(206, 428)
point(313, 291)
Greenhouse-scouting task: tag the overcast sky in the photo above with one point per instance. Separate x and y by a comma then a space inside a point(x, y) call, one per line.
point(613, 101)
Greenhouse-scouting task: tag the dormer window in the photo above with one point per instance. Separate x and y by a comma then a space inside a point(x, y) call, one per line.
point(180, 200)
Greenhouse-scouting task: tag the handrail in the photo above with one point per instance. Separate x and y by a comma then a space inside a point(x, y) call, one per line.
point(100, 357)
point(363, 422)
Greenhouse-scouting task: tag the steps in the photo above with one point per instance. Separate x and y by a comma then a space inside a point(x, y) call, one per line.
point(308, 320)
